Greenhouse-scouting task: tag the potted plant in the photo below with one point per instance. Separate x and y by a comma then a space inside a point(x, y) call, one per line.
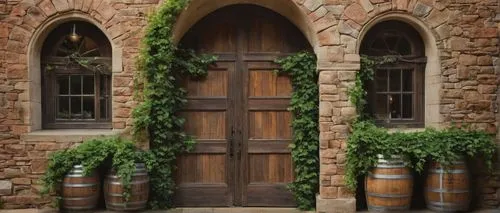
point(126, 186)
point(448, 182)
point(374, 153)
point(77, 167)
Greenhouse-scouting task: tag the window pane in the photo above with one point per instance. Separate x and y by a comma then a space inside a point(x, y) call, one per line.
point(407, 106)
point(63, 107)
point(76, 107)
point(395, 80)
point(381, 107)
point(88, 108)
point(62, 84)
point(407, 80)
point(104, 106)
point(76, 84)
point(395, 106)
point(381, 80)
point(88, 84)
point(103, 87)
point(404, 47)
point(392, 41)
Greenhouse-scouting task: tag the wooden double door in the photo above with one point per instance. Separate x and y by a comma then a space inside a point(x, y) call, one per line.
point(238, 113)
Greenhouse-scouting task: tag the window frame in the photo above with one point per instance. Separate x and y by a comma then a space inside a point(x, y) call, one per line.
point(54, 65)
point(415, 61)
point(50, 120)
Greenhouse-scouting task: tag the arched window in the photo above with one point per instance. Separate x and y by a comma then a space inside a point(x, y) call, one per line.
point(396, 93)
point(76, 77)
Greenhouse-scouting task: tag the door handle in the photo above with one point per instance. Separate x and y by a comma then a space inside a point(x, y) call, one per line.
point(231, 143)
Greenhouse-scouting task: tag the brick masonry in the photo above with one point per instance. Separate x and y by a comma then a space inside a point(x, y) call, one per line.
point(465, 36)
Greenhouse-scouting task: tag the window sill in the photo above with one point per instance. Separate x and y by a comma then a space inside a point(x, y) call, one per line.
point(67, 135)
point(405, 130)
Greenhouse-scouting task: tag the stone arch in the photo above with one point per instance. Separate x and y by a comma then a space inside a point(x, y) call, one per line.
point(433, 65)
point(34, 48)
point(297, 14)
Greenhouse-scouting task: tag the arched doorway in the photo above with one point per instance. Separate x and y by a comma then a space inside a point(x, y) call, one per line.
point(238, 113)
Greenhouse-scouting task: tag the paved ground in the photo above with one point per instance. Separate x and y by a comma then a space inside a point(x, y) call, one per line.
point(215, 210)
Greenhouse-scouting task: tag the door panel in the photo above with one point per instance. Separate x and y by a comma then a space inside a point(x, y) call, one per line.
point(206, 171)
point(238, 113)
point(266, 156)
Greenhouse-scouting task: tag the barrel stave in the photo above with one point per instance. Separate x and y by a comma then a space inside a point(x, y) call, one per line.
point(448, 190)
point(389, 186)
point(113, 190)
point(80, 192)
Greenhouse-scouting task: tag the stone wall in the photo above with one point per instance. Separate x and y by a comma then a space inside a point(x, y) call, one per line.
point(24, 148)
point(461, 40)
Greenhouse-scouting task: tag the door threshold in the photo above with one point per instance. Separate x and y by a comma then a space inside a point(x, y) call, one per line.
point(236, 210)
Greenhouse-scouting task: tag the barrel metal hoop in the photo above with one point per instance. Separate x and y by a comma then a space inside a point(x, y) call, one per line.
point(78, 185)
point(127, 203)
point(79, 207)
point(388, 208)
point(447, 206)
point(133, 175)
point(380, 176)
point(81, 198)
point(443, 171)
point(390, 166)
point(131, 183)
point(387, 195)
point(453, 191)
point(78, 175)
point(121, 195)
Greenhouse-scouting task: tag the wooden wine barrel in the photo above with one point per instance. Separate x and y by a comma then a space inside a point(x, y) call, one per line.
point(389, 185)
point(448, 189)
point(80, 192)
point(139, 193)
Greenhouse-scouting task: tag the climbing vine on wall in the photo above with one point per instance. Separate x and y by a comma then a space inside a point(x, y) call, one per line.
point(301, 67)
point(161, 67)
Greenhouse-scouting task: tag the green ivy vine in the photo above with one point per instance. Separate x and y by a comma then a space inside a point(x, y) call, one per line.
point(357, 93)
point(367, 140)
point(161, 67)
point(105, 153)
point(301, 67)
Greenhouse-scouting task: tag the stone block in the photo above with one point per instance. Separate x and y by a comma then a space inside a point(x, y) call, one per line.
point(21, 181)
point(38, 166)
point(339, 205)
point(328, 192)
point(484, 60)
point(346, 27)
point(437, 17)
point(421, 9)
point(61, 5)
point(5, 187)
point(347, 75)
point(465, 59)
point(47, 7)
point(325, 22)
point(356, 13)
point(400, 4)
point(328, 169)
point(312, 5)
point(330, 36)
point(336, 9)
point(325, 109)
point(367, 5)
point(320, 12)
point(328, 77)
point(458, 43)
point(12, 172)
